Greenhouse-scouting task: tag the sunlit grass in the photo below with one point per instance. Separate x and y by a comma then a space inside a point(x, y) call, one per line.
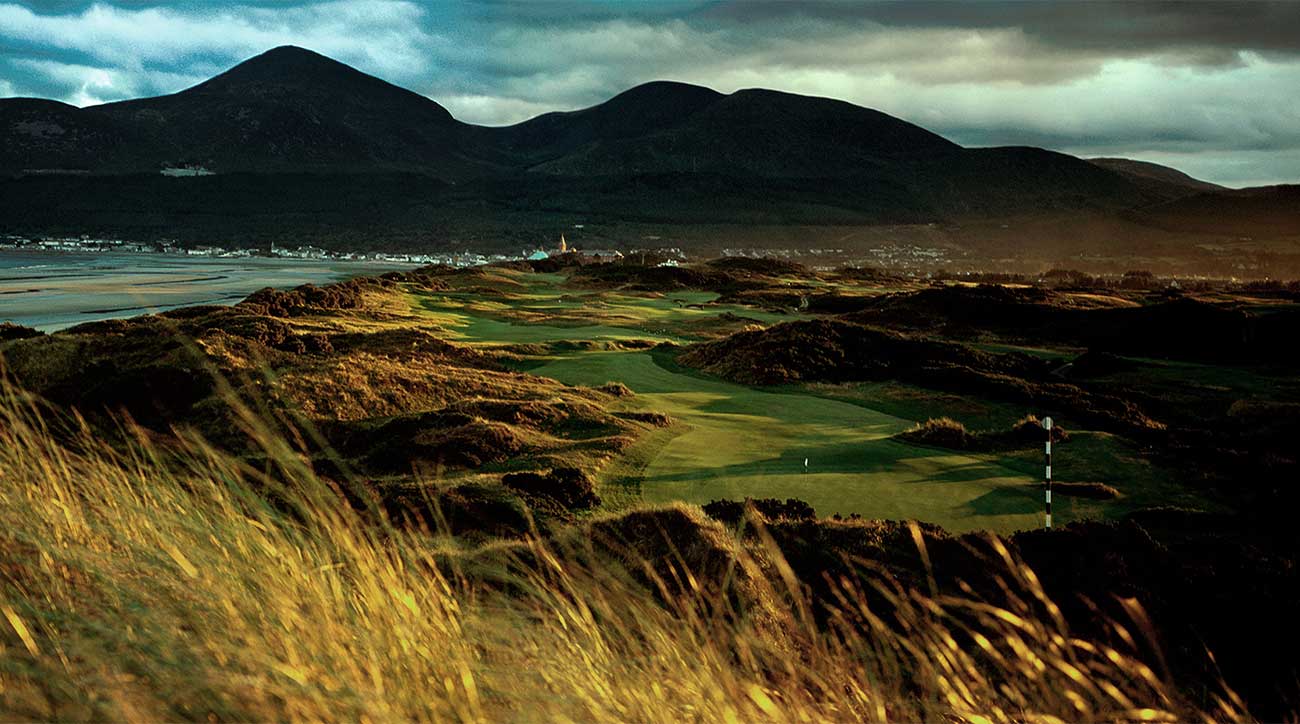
point(143, 583)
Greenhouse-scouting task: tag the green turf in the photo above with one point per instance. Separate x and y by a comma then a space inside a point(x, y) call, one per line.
point(732, 441)
point(737, 441)
point(1088, 457)
point(608, 316)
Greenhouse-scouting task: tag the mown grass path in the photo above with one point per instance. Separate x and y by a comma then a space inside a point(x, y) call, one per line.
point(738, 441)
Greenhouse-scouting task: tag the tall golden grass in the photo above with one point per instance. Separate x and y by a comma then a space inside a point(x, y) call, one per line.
point(143, 583)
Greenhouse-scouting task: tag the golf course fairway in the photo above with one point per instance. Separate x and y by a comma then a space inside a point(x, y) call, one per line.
point(731, 441)
point(737, 441)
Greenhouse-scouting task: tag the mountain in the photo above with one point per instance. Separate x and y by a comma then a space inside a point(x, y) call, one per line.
point(305, 147)
point(1249, 215)
point(1156, 177)
point(636, 113)
point(41, 135)
point(667, 127)
point(288, 109)
point(293, 110)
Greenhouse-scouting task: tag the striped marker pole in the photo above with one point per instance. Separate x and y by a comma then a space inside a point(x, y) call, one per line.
point(1047, 473)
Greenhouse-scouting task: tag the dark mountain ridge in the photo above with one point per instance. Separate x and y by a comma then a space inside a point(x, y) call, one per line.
point(672, 127)
point(291, 109)
point(659, 153)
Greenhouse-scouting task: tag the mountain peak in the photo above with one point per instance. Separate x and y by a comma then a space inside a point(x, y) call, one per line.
point(306, 79)
point(288, 65)
point(667, 91)
point(291, 108)
point(294, 57)
point(293, 51)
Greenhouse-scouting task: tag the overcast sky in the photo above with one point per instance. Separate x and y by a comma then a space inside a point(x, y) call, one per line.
point(1213, 89)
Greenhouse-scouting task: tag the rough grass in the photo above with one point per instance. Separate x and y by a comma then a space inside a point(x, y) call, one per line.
point(945, 432)
point(133, 590)
point(939, 432)
point(336, 366)
point(1092, 491)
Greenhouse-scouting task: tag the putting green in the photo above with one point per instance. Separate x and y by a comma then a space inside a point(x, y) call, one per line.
point(737, 441)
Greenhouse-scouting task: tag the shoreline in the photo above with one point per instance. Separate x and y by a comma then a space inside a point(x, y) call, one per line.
point(78, 287)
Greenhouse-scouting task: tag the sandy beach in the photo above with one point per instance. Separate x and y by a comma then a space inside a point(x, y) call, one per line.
point(56, 290)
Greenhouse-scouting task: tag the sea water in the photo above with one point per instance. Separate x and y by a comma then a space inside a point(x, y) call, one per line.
point(55, 290)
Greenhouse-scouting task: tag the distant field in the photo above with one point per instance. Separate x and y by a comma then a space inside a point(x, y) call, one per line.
point(733, 441)
point(539, 311)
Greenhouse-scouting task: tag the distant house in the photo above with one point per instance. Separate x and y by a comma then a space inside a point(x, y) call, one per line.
point(603, 254)
point(186, 171)
point(538, 255)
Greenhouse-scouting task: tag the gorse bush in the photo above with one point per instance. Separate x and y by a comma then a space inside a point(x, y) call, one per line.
point(939, 432)
point(733, 511)
point(569, 487)
point(948, 433)
point(153, 583)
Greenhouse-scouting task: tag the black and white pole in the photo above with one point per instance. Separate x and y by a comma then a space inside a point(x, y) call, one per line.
point(1047, 473)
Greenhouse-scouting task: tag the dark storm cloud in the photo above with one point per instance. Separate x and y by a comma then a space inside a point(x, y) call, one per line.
point(1209, 86)
point(1119, 26)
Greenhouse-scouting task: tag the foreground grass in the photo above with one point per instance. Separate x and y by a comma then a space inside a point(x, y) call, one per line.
point(142, 585)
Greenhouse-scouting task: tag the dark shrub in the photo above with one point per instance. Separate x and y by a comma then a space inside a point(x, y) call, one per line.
point(762, 265)
point(658, 419)
point(1091, 491)
point(939, 432)
point(309, 298)
point(570, 487)
point(617, 389)
point(408, 442)
point(470, 509)
point(9, 330)
point(154, 396)
point(948, 433)
point(733, 511)
point(1029, 430)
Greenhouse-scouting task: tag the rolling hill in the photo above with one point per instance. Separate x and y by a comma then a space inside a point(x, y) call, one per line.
point(1157, 177)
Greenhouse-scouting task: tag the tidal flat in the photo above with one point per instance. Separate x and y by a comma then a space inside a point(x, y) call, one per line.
point(50, 291)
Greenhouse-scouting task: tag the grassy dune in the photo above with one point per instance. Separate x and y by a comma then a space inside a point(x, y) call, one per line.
point(139, 584)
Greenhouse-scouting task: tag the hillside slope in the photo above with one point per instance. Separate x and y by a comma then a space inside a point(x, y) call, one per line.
point(1161, 179)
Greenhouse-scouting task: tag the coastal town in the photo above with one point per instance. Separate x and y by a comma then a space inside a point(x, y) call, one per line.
point(887, 256)
point(86, 244)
